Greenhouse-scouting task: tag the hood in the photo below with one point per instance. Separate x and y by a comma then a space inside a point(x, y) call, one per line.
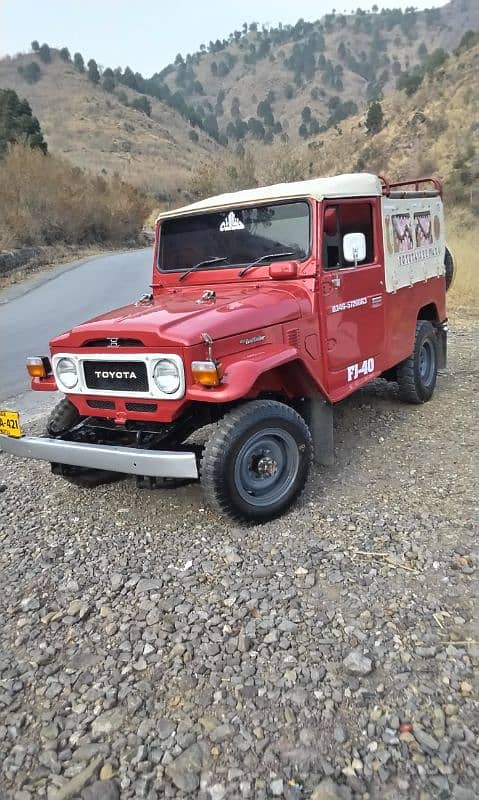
point(181, 316)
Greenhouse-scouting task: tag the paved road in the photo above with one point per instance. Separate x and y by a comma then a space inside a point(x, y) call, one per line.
point(33, 312)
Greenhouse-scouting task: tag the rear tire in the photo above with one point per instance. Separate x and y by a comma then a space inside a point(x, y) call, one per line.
point(416, 375)
point(257, 462)
point(449, 268)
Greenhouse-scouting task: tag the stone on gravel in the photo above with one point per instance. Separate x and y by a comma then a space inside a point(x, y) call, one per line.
point(358, 664)
point(164, 728)
point(76, 784)
point(425, 740)
point(101, 790)
point(185, 770)
point(108, 722)
point(326, 790)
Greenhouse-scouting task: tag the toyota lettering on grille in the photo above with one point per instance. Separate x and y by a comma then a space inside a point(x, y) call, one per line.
point(128, 374)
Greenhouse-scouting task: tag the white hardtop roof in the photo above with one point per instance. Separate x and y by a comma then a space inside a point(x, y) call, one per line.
point(357, 184)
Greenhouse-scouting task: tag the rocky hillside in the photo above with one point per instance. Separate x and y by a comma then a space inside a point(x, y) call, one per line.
point(99, 130)
point(304, 88)
point(290, 82)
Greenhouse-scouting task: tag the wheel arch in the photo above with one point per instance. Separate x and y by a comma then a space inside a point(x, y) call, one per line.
point(428, 312)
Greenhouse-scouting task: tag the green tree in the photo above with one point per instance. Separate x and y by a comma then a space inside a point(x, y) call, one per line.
point(35, 46)
point(45, 54)
point(17, 122)
point(437, 58)
point(306, 114)
point(374, 117)
point(93, 73)
point(65, 54)
point(31, 72)
point(108, 83)
point(78, 62)
point(141, 104)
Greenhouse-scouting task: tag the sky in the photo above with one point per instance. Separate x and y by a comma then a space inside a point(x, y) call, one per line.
point(146, 35)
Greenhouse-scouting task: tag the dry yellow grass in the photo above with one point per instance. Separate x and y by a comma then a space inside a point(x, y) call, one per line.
point(45, 200)
point(464, 292)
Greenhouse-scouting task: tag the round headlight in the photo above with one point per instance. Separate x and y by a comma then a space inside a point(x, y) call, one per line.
point(67, 372)
point(166, 376)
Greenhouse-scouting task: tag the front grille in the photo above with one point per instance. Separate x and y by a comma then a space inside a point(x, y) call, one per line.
point(113, 343)
point(126, 376)
point(146, 407)
point(100, 403)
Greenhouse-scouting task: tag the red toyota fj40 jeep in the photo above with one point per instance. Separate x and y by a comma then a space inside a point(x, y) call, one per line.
point(267, 307)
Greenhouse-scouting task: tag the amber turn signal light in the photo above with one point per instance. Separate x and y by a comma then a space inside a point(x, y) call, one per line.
point(38, 367)
point(208, 373)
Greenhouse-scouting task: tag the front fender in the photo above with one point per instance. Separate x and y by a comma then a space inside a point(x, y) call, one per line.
point(241, 373)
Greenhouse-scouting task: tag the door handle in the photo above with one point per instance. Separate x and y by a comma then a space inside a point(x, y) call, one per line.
point(336, 281)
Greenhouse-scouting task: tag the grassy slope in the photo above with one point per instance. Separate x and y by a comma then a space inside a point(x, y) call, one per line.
point(95, 131)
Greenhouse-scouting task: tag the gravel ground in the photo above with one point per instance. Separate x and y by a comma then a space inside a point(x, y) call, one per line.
point(151, 649)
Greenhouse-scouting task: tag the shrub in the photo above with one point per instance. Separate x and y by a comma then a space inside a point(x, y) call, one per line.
point(31, 72)
point(141, 104)
point(45, 200)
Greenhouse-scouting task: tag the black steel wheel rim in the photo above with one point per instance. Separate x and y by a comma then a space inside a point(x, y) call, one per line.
point(427, 361)
point(266, 467)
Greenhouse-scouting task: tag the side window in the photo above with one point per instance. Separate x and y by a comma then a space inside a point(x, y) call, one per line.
point(340, 219)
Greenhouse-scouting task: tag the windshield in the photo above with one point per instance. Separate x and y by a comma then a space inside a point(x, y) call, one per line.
point(234, 237)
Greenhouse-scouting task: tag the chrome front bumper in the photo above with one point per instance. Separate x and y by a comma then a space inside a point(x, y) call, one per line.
point(128, 460)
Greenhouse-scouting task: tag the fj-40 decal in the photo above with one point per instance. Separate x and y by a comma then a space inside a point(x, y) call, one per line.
point(363, 368)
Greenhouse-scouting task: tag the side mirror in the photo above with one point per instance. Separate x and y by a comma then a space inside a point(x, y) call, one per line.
point(281, 272)
point(354, 247)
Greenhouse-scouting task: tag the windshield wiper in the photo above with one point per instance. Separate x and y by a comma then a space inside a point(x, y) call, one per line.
point(202, 264)
point(263, 258)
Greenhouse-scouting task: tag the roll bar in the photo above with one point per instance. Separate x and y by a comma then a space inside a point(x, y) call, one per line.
point(388, 187)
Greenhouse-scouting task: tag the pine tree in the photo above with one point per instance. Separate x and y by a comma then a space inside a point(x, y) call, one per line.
point(17, 122)
point(93, 73)
point(45, 54)
point(374, 118)
point(78, 62)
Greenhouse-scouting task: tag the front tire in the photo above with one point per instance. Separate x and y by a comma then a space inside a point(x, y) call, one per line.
point(257, 462)
point(62, 419)
point(416, 375)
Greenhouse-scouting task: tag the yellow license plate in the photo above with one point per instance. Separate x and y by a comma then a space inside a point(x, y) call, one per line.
point(10, 424)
